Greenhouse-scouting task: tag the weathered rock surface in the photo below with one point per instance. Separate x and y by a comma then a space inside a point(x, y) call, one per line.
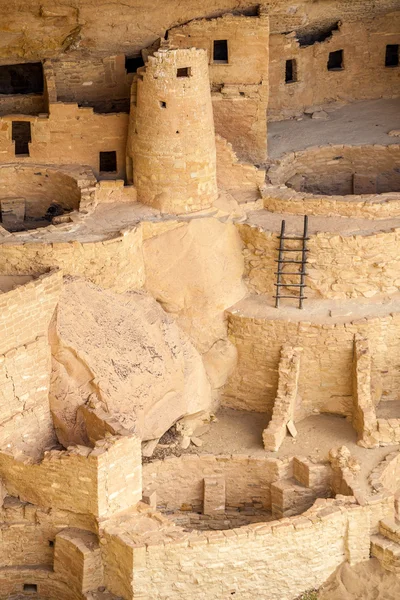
point(124, 350)
point(195, 272)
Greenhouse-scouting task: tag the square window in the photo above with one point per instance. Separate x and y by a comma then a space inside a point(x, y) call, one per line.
point(21, 136)
point(335, 62)
point(163, 104)
point(30, 587)
point(220, 53)
point(184, 72)
point(108, 162)
point(392, 55)
point(133, 63)
point(291, 71)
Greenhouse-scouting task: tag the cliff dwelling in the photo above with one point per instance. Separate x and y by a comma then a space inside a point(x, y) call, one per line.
point(200, 303)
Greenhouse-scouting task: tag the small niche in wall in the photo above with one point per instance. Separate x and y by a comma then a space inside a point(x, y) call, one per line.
point(392, 55)
point(220, 51)
point(51, 543)
point(133, 63)
point(291, 71)
point(163, 104)
point(21, 136)
point(30, 587)
point(335, 61)
point(108, 162)
point(184, 72)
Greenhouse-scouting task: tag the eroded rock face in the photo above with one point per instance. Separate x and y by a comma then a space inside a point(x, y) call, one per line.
point(124, 351)
point(195, 272)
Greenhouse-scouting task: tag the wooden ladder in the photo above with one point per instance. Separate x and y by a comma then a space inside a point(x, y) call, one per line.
point(283, 260)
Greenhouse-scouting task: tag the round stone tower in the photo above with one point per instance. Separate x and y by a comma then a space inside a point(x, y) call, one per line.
point(172, 139)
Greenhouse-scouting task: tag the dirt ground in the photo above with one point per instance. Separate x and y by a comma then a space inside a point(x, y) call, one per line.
point(365, 581)
point(359, 123)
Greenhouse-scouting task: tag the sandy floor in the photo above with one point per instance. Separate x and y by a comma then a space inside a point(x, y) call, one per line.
point(240, 432)
point(317, 310)
point(366, 122)
point(365, 581)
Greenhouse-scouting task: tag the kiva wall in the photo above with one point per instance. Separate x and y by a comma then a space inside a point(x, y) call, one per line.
point(116, 263)
point(326, 369)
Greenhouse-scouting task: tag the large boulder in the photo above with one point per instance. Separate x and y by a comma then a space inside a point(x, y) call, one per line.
point(126, 353)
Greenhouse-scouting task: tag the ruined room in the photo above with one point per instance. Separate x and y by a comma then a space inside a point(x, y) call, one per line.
point(200, 300)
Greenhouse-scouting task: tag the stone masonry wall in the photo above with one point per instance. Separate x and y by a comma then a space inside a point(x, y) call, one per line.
point(364, 46)
point(25, 314)
point(99, 481)
point(69, 135)
point(180, 481)
point(339, 266)
point(173, 108)
point(332, 170)
point(326, 374)
point(240, 87)
point(116, 263)
point(277, 560)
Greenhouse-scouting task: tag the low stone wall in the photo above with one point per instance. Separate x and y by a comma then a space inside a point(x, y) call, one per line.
point(178, 482)
point(116, 263)
point(386, 475)
point(28, 582)
point(366, 206)
point(285, 401)
point(364, 415)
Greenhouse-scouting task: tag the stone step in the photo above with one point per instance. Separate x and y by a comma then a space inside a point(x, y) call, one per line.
point(387, 552)
point(390, 528)
point(288, 498)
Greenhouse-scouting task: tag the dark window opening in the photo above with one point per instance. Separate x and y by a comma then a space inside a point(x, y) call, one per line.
point(291, 71)
point(392, 55)
point(51, 543)
point(30, 587)
point(220, 51)
point(184, 72)
point(21, 136)
point(335, 62)
point(133, 63)
point(21, 79)
point(108, 162)
point(163, 104)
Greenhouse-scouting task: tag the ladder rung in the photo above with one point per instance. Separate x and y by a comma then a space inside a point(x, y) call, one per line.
point(292, 297)
point(293, 249)
point(300, 285)
point(288, 273)
point(300, 239)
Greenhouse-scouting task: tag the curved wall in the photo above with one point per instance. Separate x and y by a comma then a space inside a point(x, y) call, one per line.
point(333, 170)
point(172, 133)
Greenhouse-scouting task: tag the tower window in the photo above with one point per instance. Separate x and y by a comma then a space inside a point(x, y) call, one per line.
point(30, 587)
point(392, 55)
point(108, 162)
point(21, 136)
point(163, 104)
point(291, 71)
point(184, 72)
point(133, 63)
point(26, 78)
point(220, 54)
point(335, 62)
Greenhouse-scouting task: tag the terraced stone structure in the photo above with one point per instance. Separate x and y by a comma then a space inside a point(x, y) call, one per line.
point(166, 432)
